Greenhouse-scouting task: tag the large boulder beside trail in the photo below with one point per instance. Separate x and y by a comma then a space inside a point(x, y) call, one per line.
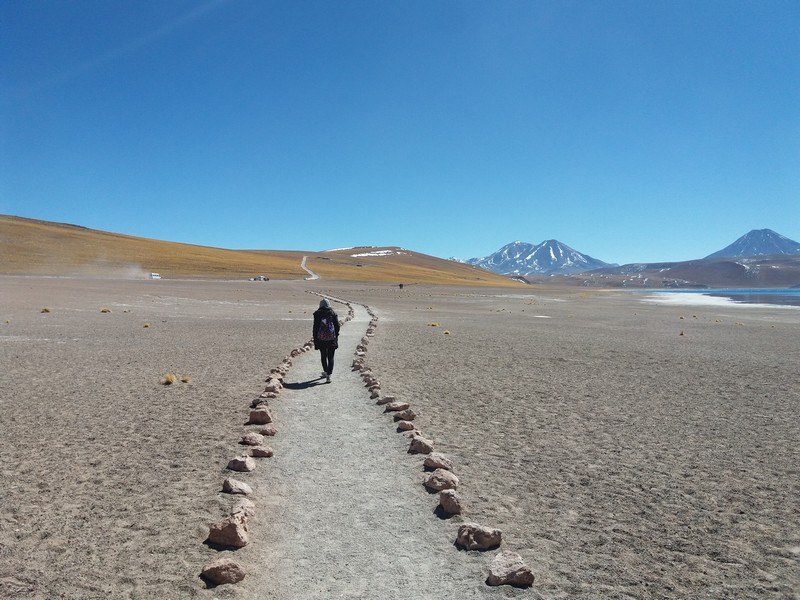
point(273, 386)
point(269, 430)
point(223, 571)
point(508, 568)
point(405, 415)
point(230, 531)
point(420, 445)
point(437, 460)
point(441, 479)
point(260, 416)
point(242, 464)
point(472, 536)
point(450, 501)
point(244, 507)
point(234, 486)
point(252, 438)
point(261, 451)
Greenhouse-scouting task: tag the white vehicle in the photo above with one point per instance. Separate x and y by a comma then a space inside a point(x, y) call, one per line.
point(155, 276)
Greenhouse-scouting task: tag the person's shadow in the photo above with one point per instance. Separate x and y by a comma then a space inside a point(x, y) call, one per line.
point(304, 385)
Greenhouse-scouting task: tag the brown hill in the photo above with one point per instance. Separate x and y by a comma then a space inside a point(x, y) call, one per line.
point(29, 246)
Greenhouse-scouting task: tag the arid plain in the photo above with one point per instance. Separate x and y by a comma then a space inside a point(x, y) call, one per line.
point(626, 449)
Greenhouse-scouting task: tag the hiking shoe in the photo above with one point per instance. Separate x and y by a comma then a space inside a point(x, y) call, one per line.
point(324, 374)
point(328, 378)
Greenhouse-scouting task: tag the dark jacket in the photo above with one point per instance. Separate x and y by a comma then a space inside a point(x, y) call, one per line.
point(320, 314)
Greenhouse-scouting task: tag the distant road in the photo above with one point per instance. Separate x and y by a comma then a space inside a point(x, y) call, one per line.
point(311, 274)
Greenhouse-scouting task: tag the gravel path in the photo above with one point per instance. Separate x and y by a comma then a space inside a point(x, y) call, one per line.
point(347, 514)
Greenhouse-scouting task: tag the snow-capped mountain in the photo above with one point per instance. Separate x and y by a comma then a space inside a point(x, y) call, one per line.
point(549, 257)
point(759, 242)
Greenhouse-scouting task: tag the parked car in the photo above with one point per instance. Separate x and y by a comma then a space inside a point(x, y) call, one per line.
point(259, 278)
point(155, 276)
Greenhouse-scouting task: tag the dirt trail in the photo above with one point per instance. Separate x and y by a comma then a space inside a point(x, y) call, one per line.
point(311, 275)
point(346, 514)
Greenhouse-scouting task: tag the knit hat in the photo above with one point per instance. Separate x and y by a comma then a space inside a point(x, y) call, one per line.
point(324, 303)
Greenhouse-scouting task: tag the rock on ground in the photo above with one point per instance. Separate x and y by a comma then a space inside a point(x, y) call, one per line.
point(508, 568)
point(242, 463)
point(450, 501)
point(273, 386)
point(420, 445)
point(261, 451)
point(252, 439)
point(472, 536)
point(222, 571)
point(437, 460)
point(269, 430)
point(244, 507)
point(233, 486)
point(441, 479)
point(405, 415)
point(260, 416)
point(231, 531)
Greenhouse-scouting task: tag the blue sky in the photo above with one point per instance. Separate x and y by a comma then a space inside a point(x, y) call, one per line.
point(631, 131)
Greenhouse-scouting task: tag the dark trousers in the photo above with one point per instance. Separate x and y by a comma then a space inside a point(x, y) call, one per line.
point(326, 354)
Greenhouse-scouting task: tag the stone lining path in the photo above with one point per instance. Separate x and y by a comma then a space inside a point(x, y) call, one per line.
point(346, 515)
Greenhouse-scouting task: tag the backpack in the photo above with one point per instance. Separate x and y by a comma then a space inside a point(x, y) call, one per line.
point(326, 331)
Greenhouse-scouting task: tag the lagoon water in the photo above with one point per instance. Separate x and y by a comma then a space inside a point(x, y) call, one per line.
point(772, 296)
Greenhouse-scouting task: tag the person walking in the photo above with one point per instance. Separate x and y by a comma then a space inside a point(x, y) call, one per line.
point(326, 336)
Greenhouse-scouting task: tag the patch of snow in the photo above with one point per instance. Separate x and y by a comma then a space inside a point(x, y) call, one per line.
point(376, 253)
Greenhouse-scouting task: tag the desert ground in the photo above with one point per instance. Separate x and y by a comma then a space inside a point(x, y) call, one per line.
point(625, 449)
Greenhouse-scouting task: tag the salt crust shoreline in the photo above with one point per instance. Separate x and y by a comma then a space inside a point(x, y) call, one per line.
point(618, 457)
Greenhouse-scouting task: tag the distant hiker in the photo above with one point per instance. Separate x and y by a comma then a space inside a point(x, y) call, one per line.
point(326, 336)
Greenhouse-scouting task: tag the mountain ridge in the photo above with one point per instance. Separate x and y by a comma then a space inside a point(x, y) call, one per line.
point(758, 242)
point(549, 257)
point(32, 246)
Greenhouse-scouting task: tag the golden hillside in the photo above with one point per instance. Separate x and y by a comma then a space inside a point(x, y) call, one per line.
point(29, 246)
point(398, 265)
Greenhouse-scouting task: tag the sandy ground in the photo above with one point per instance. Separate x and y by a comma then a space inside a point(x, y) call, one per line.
point(109, 478)
point(621, 459)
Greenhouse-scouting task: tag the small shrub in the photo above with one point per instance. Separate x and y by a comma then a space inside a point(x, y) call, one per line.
point(446, 332)
point(45, 310)
point(105, 310)
point(146, 325)
point(433, 324)
point(169, 379)
point(185, 379)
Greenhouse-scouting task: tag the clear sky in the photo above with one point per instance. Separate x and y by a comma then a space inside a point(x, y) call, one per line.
point(629, 130)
